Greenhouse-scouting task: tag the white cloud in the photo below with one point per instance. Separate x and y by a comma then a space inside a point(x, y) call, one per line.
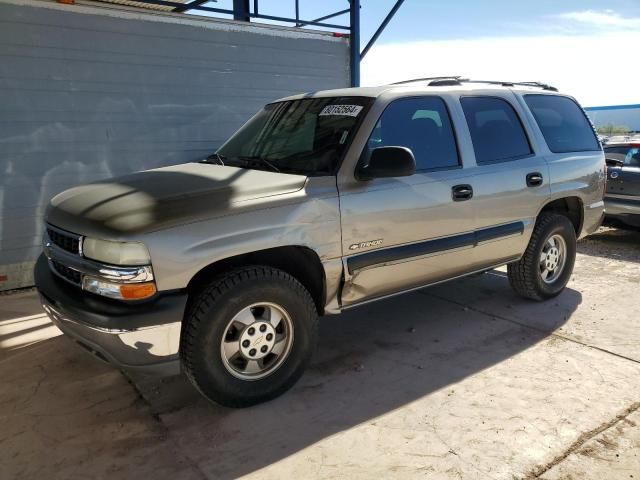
point(605, 18)
point(580, 65)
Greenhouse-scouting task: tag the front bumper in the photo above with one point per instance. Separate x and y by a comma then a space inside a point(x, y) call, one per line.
point(624, 208)
point(141, 336)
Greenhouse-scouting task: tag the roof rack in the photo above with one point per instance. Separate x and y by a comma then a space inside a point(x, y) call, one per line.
point(544, 86)
point(446, 81)
point(448, 77)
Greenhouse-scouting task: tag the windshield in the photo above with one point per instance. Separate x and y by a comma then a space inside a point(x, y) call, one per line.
point(307, 136)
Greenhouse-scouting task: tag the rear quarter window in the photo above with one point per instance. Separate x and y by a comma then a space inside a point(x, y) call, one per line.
point(563, 123)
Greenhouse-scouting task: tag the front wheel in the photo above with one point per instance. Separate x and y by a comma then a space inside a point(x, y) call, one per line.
point(546, 266)
point(249, 336)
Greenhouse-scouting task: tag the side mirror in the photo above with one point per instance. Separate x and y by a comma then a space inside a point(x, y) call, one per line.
point(388, 162)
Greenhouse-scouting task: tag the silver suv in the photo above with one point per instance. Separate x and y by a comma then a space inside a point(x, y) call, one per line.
point(320, 203)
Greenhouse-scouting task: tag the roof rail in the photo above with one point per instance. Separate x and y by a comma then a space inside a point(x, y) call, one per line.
point(446, 77)
point(544, 86)
point(446, 81)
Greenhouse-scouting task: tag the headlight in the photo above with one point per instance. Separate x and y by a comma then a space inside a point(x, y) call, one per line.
point(116, 253)
point(120, 282)
point(120, 291)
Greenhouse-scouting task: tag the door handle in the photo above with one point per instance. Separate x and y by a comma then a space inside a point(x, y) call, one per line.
point(461, 192)
point(534, 179)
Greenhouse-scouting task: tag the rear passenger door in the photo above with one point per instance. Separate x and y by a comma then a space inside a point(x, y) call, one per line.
point(511, 181)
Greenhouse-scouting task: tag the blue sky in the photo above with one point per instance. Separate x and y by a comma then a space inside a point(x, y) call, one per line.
point(459, 19)
point(467, 19)
point(567, 43)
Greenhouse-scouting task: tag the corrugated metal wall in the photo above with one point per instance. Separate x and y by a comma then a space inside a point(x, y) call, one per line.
point(92, 92)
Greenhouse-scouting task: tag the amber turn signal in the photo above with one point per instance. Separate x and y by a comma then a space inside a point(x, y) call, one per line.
point(137, 291)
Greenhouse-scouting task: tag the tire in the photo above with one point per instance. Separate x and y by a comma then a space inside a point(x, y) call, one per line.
point(256, 294)
point(526, 276)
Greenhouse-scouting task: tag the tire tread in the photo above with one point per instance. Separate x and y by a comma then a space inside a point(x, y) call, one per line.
point(207, 299)
point(522, 274)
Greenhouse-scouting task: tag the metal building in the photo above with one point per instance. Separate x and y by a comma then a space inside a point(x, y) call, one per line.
point(96, 90)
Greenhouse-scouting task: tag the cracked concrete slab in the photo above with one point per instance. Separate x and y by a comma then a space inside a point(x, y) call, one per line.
point(602, 311)
point(463, 380)
point(613, 454)
point(64, 415)
point(492, 400)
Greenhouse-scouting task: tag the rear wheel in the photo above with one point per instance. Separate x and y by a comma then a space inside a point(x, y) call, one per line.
point(249, 336)
point(546, 266)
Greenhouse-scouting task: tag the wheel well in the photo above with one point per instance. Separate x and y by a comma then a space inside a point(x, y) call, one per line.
point(299, 262)
point(571, 207)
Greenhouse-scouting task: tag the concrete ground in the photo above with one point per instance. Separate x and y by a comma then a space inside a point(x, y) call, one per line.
point(463, 380)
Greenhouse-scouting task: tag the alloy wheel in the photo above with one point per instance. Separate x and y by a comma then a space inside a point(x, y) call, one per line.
point(256, 341)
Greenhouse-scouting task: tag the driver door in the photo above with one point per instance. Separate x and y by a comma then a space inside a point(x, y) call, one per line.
point(406, 232)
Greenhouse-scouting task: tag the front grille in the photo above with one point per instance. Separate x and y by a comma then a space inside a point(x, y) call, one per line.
point(67, 273)
point(64, 240)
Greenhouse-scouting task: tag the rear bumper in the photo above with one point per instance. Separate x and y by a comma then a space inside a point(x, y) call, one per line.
point(626, 210)
point(144, 337)
point(593, 217)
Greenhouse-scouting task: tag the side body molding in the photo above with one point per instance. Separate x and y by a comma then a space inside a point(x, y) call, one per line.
point(430, 247)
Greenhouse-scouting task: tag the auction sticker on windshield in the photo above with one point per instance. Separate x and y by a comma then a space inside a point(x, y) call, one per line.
point(344, 110)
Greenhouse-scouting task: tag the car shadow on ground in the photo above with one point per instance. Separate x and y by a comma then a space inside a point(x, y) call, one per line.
point(371, 361)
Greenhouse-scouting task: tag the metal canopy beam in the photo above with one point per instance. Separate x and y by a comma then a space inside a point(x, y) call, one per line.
point(190, 5)
point(242, 13)
point(381, 28)
point(354, 41)
point(326, 17)
point(307, 22)
point(241, 10)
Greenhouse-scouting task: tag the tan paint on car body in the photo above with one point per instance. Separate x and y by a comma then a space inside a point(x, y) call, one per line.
point(193, 215)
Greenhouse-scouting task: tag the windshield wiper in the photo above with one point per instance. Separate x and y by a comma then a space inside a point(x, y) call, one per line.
point(261, 160)
point(215, 157)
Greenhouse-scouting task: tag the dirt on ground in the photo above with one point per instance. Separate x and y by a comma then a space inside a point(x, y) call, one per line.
point(463, 380)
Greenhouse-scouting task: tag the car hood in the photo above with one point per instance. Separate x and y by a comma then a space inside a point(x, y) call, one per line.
point(156, 199)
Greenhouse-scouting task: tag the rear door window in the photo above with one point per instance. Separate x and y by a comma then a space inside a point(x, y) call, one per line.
point(496, 130)
point(564, 125)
